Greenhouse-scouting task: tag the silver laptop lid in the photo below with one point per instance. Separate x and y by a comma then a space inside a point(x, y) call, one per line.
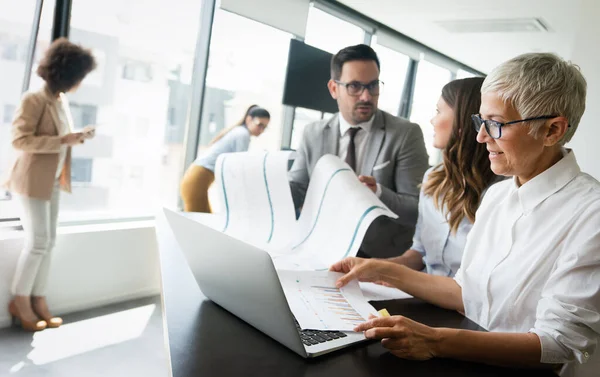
point(239, 277)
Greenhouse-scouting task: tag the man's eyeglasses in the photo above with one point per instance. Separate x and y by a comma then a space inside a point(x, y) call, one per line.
point(494, 128)
point(356, 88)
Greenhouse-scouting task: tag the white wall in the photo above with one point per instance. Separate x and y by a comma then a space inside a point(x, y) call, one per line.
point(92, 265)
point(587, 56)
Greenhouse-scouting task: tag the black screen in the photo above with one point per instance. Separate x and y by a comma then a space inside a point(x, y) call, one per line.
point(306, 78)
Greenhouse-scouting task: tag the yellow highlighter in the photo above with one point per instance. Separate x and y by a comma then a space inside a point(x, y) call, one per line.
point(384, 313)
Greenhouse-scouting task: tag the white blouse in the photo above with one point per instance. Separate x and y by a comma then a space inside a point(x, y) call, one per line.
point(440, 248)
point(532, 264)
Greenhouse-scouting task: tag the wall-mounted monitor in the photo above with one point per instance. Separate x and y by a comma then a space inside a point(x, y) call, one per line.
point(306, 78)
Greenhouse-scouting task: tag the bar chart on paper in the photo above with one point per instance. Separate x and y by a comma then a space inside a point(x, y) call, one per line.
point(334, 302)
point(318, 304)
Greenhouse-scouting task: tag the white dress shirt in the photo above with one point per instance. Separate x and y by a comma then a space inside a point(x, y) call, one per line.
point(532, 264)
point(361, 141)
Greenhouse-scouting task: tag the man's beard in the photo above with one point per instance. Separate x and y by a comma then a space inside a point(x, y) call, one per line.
point(360, 117)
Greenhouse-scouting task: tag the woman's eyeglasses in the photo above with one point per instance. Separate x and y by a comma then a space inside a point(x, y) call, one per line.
point(494, 128)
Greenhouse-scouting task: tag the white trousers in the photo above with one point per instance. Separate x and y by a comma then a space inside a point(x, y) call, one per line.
point(39, 220)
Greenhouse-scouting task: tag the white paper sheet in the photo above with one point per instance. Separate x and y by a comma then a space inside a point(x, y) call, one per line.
point(337, 212)
point(376, 292)
point(319, 305)
point(258, 208)
point(256, 198)
point(215, 221)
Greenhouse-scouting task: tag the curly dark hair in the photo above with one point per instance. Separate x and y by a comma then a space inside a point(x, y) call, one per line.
point(65, 65)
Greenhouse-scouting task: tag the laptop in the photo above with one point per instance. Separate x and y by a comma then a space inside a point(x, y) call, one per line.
point(242, 279)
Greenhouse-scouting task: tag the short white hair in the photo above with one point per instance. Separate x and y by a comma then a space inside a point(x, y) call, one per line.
point(539, 84)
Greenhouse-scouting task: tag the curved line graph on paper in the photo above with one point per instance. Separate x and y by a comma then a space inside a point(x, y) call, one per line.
point(358, 226)
point(224, 193)
point(372, 208)
point(269, 197)
point(320, 206)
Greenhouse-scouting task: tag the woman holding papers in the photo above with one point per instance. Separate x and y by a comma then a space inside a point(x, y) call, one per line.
point(531, 267)
point(201, 174)
point(451, 191)
point(43, 136)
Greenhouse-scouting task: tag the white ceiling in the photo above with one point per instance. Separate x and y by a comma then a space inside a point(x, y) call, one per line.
point(482, 51)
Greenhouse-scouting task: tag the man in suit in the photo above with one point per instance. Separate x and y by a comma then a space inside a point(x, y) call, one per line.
point(388, 153)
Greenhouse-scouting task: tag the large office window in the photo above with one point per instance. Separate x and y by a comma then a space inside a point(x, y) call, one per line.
point(8, 113)
point(319, 34)
point(83, 114)
point(81, 171)
point(246, 66)
point(16, 19)
point(302, 117)
point(330, 33)
point(145, 54)
point(42, 43)
point(431, 79)
point(393, 74)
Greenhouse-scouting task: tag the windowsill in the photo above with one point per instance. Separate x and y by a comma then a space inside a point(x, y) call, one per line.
point(87, 228)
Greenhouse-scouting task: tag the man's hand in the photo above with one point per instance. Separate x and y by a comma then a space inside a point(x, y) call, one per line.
point(368, 181)
point(404, 337)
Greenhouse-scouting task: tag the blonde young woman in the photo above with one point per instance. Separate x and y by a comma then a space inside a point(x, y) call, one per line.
point(42, 134)
point(200, 175)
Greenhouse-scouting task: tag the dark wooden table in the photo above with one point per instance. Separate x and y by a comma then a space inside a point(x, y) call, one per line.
point(205, 340)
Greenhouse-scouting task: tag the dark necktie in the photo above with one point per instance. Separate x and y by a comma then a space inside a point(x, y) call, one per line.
point(351, 155)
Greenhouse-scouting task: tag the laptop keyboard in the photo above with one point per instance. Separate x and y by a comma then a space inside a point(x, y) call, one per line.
point(313, 337)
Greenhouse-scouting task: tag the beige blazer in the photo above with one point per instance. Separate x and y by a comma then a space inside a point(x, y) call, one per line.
point(35, 135)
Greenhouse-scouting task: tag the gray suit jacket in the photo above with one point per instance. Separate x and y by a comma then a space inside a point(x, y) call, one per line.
point(392, 140)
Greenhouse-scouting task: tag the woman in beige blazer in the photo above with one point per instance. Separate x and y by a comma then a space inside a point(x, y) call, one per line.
point(43, 136)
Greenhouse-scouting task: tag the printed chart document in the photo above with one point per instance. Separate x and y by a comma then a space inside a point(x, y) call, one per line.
point(377, 292)
point(318, 304)
point(257, 208)
point(256, 198)
point(337, 212)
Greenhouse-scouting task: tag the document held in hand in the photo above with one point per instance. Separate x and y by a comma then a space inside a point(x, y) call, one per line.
point(257, 207)
point(318, 304)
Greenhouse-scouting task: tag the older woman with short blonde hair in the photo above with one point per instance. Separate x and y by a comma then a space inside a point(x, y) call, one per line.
point(530, 271)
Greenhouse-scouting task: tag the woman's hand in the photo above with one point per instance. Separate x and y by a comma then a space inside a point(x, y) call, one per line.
point(72, 138)
point(384, 283)
point(358, 268)
point(404, 337)
point(89, 132)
